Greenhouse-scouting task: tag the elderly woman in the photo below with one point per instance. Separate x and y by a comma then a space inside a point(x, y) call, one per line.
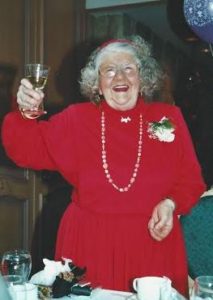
point(131, 163)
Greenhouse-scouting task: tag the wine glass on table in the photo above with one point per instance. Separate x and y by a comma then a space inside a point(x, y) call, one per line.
point(37, 74)
point(17, 263)
point(203, 288)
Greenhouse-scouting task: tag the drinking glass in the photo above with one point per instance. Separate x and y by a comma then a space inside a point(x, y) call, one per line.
point(7, 286)
point(17, 262)
point(203, 288)
point(37, 74)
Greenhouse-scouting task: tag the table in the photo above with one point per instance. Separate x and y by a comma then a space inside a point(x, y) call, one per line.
point(102, 294)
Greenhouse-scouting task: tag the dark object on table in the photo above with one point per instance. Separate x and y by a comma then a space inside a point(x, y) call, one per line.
point(81, 290)
point(69, 283)
point(61, 287)
point(77, 271)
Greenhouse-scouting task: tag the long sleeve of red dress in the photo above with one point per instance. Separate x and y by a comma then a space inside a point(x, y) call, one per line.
point(39, 144)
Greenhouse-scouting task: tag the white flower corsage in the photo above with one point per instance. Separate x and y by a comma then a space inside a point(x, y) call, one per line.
point(162, 130)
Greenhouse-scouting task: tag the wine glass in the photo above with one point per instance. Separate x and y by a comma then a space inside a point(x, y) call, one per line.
point(17, 262)
point(37, 74)
point(7, 285)
point(203, 288)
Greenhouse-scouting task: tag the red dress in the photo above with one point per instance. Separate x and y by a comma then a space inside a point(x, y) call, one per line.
point(102, 228)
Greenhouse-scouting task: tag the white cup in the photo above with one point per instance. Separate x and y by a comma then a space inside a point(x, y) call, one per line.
point(9, 282)
point(152, 288)
point(27, 291)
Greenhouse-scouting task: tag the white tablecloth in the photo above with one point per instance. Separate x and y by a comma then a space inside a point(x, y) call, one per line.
point(102, 294)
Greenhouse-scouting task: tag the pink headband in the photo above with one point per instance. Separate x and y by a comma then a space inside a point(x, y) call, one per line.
point(114, 41)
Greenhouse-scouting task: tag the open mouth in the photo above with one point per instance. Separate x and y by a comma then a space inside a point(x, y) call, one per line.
point(120, 88)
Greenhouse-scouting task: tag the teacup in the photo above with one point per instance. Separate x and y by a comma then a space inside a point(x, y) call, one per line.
point(152, 288)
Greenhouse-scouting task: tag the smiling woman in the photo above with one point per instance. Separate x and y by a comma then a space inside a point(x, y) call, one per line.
point(123, 220)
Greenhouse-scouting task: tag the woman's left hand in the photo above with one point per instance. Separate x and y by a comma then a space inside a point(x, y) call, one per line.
point(161, 222)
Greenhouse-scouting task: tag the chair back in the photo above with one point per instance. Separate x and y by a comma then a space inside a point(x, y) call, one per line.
point(198, 234)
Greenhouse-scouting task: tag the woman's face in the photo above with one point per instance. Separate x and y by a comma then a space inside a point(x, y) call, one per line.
point(119, 80)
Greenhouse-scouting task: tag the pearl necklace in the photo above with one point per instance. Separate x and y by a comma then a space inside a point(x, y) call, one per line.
point(104, 156)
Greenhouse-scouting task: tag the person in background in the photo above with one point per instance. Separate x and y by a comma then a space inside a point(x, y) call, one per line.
point(131, 163)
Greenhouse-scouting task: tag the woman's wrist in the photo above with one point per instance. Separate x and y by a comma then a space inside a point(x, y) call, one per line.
point(170, 202)
point(22, 112)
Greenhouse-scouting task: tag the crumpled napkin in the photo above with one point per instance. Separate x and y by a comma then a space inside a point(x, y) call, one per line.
point(51, 269)
point(61, 278)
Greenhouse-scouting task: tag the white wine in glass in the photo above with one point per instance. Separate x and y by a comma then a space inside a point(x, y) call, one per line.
point(37, 74)
point(37, 82)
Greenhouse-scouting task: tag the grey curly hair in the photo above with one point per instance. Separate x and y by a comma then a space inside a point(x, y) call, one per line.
point(151, 75)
